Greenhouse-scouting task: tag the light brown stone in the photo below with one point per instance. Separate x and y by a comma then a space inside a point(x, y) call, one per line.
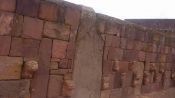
point(10, 67)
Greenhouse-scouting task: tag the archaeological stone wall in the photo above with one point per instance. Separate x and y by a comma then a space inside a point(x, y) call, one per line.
point(56, 49)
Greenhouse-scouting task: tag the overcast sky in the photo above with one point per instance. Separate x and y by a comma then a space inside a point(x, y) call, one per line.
point(124, 9)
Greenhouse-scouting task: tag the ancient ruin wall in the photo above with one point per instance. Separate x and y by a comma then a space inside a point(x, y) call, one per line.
point(56, 49)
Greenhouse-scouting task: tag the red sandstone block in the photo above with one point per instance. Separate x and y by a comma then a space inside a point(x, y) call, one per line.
point(6, 20)
point(113, 28)
point(121, 66)
point(16, 47)
point(117, 80)
point(123, 43)
point(48, 11)
point(101, 24)
point(63, 63)
point(115, 54)
point(130, 44)
point(17, 26)
point(8, 5)
point(70, 50)
point(32, 28)
point(59, 49)
point(112, 41)
point(130, 55)
point(72, 16)
point(5, 42)
point(146, 88)
point(140, 35)
point(30, 49)
point(57, 31)
point(55, 86)
point(127, 79)
point(107, 67)
point(130, 33)
point(28, 7)
point(54, 65)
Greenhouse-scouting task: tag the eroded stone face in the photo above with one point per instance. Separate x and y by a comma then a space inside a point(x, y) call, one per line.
point(15, 89)
point(6, 20)
point(10, 67)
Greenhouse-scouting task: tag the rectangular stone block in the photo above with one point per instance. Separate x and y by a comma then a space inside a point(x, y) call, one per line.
point(115, 54)
point(28, 7)
point(5, 42)
point(117, 80)
point(55, 86)
point(116, 93)
point(121, 66)
point(112, 41)
point(32, 28)
point(8, 5)
point(15, 89)
point(59, 49)
point(105, 94)
point(130, 55)
point(16, 47)
point(10, 67)
point(6, 20)
point(56, 31)
point(48, 11)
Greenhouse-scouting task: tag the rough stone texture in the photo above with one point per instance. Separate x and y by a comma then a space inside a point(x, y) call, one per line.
point(32, 28)
point(48, 11)
point(89, 45)
point(6, 20)
point(5, 42)
point(39, 89)
point(59, 49)
point(15, 89)
point(16, 47)
point(56, 30)
point(8, 5)
point(10, 67)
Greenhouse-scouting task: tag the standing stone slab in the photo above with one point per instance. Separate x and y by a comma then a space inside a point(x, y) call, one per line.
point(88, 58)
point(10, 67)
point(15, 89)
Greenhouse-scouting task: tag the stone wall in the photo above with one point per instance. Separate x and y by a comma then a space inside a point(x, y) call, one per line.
point(56, 49)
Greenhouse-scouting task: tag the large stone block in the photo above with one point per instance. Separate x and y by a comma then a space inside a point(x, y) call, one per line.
point(32, 28)
point(10, 67)
point(15, 89)
point(8, 5)
point(56, 30)
point(16, 47)
point(5, 42)
point(59, 49)
point(28, 7)
point(48, 11)
point(6, 20)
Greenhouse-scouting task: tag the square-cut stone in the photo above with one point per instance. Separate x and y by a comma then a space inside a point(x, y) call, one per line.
point(16, 47)
point(10, 67)
point(32, 28)
point(48, 11)
point(56, 30)
point(7, 5)
point(6, 19)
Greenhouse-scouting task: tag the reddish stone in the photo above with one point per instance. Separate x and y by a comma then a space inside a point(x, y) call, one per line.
point(117, 80)
point(130, 33)
point(39, 89)
point(56, 30)
point(16, 47)
point(122, 66)
point(10, 67)
point(6, 20)
point(141, 56)
point(72, 17)
point(101, 26)
point(54, 65)
point(5, 42)
point(55, 86)
point(112, 41)
point(105, 94)
point(70, 50)
point(130, 55)
point(123, 43)
point(107, 67)
point(127, 79)
point(63, 63)
point(60, 71)
point(17, 26)
point(151, 57)
point(130, 44)
point(59, 49)
point(8, 5)
point(30, 49)
point(146, 88)
point(32, 28)
point(116, 93)
point(48, 11)
point(28, 7)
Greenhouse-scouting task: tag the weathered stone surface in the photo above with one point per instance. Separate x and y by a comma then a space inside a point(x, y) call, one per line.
point(6, 19)
point(28, 7)
point(55, 86)
point(59, 49)
point(5, 42)
point(15, 89)
point(56, 30)
point(8, 5)
point(32, 28)
point(39, 83)
point(48, 11)
point(10, 67)
point(88, 60)
point(16, 47)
